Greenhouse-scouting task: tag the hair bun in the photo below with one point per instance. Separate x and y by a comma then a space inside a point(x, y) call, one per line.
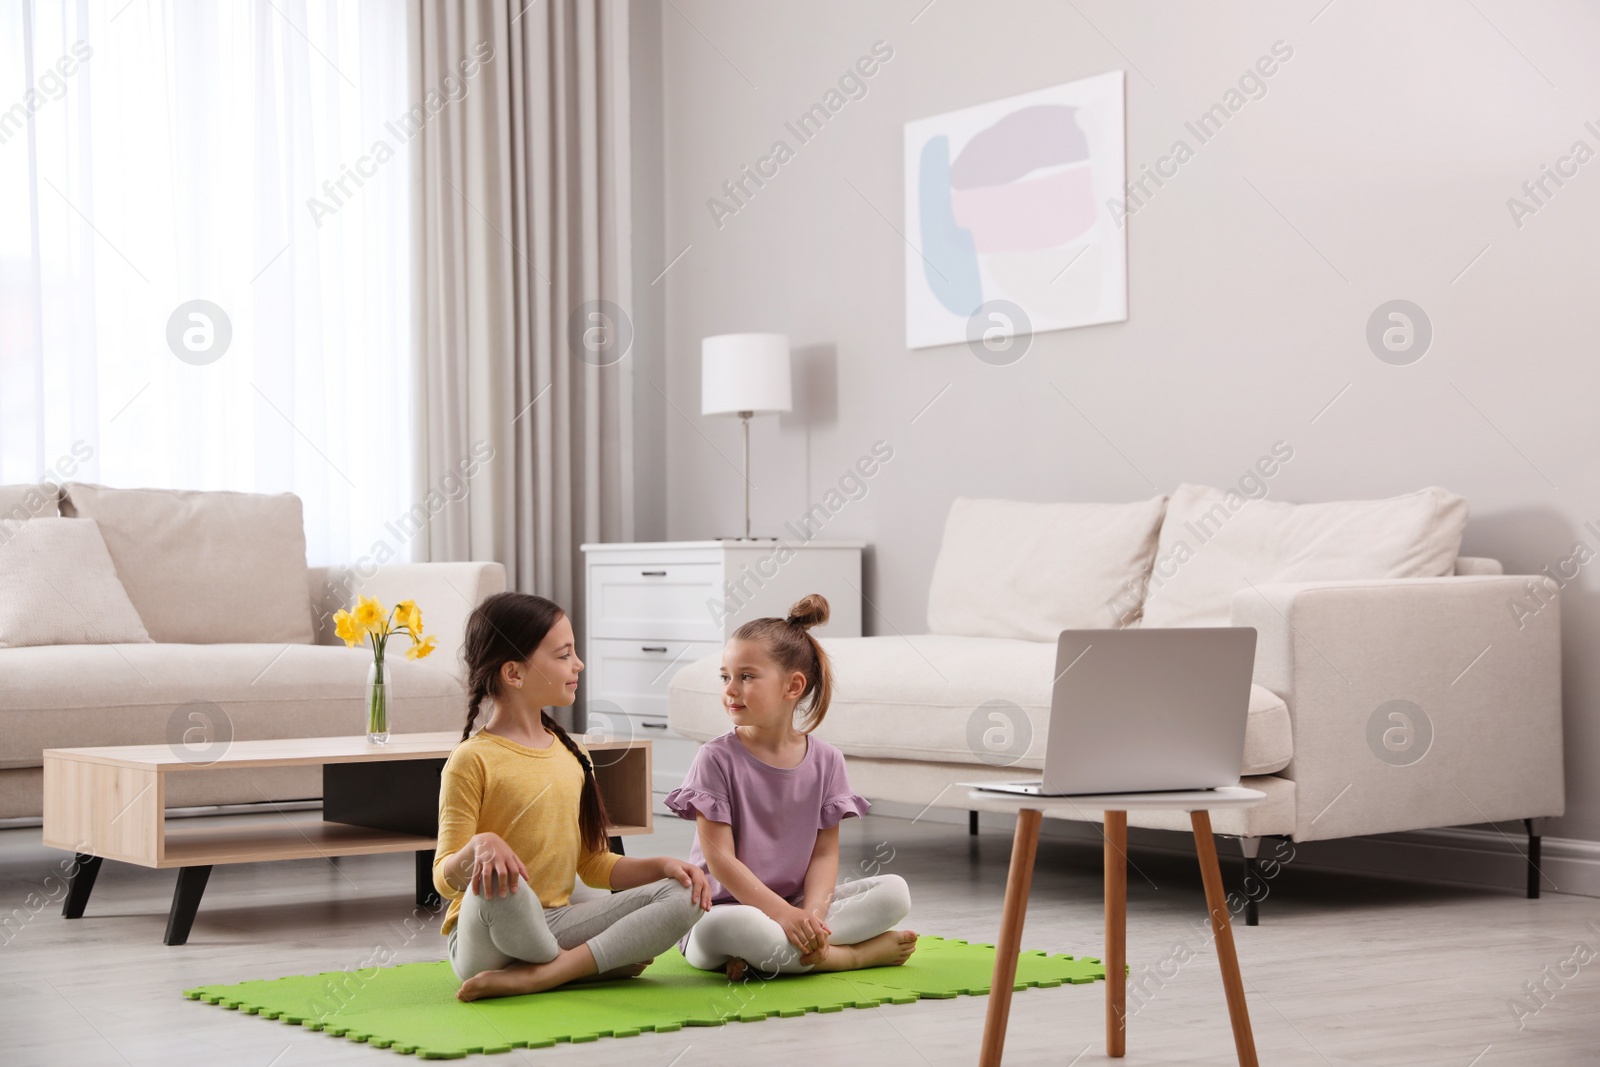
point(810, 610)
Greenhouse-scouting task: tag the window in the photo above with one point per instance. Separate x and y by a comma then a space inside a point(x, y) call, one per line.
point(205, 253)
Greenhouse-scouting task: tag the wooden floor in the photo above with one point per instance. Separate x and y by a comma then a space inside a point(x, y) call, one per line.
point(1343, 970)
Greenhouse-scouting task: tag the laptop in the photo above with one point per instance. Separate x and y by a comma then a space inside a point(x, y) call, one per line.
point(1137, 711)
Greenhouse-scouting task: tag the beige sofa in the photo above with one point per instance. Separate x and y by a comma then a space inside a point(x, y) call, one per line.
point(1355, 605)
point(241, 641)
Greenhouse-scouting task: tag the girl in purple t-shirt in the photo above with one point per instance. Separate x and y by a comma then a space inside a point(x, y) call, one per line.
point(767, 799)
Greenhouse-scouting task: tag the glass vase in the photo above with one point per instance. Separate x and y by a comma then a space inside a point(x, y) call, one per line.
point(378, 703)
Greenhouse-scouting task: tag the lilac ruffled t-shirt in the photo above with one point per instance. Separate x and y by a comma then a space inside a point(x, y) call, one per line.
point(776, 812)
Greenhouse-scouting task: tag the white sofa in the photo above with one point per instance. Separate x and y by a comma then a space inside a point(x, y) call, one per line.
point(1354, 604)
point(240, 638)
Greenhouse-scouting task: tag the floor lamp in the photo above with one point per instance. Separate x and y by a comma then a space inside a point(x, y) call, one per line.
point(745, 374)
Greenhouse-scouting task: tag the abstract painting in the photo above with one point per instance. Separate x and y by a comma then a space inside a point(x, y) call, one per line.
point(1008, 218)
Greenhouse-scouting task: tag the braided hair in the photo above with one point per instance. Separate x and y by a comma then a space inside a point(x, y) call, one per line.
point(508, 628)
point(789, 643)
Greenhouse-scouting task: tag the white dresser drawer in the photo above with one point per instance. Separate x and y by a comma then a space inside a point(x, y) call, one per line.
point(665, 600)
point(633, 676)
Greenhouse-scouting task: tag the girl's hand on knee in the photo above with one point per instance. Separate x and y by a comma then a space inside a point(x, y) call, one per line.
point(691, 876)
point(495, 867)
point(804, 930)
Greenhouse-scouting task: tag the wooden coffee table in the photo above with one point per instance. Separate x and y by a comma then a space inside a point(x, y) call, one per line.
point(110, 803)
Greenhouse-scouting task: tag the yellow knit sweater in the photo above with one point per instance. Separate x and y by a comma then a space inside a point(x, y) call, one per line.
point(529, 797)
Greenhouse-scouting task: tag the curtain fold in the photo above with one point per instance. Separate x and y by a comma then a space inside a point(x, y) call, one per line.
point(520, 225)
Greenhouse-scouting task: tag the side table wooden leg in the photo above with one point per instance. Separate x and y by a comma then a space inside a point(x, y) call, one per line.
point(85, 870)
point(1024, 846)
point(1116, 961)
point(1205, 847)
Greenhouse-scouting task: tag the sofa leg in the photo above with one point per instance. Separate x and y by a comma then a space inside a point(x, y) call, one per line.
point(1535, 831)
point(972, 823)
point(1251, 846)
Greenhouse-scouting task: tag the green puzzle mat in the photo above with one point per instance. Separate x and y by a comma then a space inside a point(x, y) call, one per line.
point(412, 1008)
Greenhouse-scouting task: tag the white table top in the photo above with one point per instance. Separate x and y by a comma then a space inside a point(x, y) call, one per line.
point(1089, 808)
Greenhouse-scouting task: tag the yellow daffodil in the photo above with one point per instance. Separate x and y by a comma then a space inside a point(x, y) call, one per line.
point(344, 625)
point(370, 616)
point(420, 649)
point(409, 616)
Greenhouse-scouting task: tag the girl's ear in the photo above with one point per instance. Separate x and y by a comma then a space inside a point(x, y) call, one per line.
point(511, 674)
point(796, 686)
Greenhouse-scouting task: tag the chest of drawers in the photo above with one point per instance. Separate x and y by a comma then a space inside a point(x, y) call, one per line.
point(652, 607)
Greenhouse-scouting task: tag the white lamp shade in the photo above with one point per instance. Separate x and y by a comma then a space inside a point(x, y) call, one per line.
point(744, 372)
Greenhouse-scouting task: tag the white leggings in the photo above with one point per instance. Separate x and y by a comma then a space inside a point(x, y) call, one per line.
point(861, 909)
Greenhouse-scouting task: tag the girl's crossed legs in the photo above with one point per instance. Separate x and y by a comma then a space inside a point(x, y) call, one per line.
point(624, 928)
point(863, 911)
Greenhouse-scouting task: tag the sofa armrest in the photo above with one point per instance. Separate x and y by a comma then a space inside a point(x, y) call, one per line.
point(1481, 658)
point(446, 593)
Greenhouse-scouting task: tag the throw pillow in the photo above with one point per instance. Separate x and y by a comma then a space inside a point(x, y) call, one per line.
point(1007, 568)
point(206, 568)
point(58, 587)
point(1215, 542)
point(19, 503)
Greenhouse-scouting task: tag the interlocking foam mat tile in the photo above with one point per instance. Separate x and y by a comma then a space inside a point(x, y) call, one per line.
point(411, 1008)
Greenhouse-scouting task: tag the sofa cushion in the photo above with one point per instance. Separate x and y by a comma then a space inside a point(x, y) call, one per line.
point(1007, 568)
point(58, 587)
point(75, 696)
point(1217, 542)
point(922, 697)
point(205, 567)
point(19, 503)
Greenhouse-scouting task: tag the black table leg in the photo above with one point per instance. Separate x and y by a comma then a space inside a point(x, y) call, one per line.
point(86, 869)
point(185, 902)
point(427, 896)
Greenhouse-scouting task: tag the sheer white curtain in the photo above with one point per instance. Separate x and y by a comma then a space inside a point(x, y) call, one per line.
point(250, 154)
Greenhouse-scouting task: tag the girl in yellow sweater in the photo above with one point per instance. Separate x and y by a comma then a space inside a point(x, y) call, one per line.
point(520, 816)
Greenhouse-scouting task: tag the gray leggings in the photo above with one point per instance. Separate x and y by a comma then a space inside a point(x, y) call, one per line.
point(627, 927)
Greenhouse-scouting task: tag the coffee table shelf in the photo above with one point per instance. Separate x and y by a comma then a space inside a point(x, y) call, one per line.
point(303, 838)
point(110, 803)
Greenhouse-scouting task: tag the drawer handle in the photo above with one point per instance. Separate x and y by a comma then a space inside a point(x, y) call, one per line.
point(652, 648)
point(654, 725)
point(654, 574)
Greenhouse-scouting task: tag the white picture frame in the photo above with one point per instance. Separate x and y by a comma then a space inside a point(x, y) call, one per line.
point(1009, 215)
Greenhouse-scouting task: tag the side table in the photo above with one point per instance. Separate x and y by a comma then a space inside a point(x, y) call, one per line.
point(1029, 812)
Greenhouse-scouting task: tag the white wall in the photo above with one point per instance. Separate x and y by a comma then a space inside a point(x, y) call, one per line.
point(1387, 147)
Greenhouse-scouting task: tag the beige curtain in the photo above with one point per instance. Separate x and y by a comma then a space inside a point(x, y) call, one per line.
point(521, 223)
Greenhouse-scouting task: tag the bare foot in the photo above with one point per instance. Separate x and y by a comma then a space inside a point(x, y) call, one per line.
point(736, 969)
point(521, 978)
point(888, 949)
point(627, 970)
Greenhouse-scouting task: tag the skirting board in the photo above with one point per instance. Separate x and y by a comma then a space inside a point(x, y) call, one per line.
point(1452, 855)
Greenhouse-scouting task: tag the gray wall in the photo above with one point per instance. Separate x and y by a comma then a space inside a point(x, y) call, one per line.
point(1377, 166)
